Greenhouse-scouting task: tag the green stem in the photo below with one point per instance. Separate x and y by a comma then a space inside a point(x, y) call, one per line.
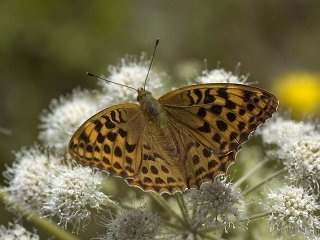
point(173, 225)
point(182, 206)
point(264, 181)
point(163, 203)
point(250, 173)
point(42, 223)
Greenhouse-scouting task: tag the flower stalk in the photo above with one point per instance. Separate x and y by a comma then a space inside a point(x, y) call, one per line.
point(267, 179)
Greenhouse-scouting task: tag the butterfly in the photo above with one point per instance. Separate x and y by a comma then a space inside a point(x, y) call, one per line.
point(185, 138)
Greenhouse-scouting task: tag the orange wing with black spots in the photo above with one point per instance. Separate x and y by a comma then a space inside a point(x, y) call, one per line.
point(110, 140)
point(215, 119)
point(121, 142)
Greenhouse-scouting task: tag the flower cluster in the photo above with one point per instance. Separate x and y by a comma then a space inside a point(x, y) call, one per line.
point(293, 212)
point(38, 181)
point(279, 130)
point(221, 76)
point(297, 145)
point(130, 72)
point(29, 176)
point(73, 194)
point(64, 116)
point(132, 224)
point(302, 155)
point(16, 231)
point(215, 204)
point(293, 207)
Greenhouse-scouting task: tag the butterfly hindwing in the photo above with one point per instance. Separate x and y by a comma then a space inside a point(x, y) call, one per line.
point(161, 169)
point(200, 163)
point(220, 116)
point(110, 140)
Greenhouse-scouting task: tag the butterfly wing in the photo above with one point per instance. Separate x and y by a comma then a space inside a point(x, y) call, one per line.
point(216, 120)
point(110, 140)
point(120, 141)
point(161, 169)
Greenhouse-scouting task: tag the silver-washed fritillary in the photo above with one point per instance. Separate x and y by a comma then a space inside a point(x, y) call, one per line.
point(187, 137)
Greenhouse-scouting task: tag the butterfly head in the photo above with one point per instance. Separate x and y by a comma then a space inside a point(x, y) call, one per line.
point(149, 105)
point(142, 95)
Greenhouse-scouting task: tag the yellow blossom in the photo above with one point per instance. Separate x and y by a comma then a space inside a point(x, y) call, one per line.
point(299, 91)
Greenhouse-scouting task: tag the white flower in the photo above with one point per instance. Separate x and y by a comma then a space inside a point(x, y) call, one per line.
point(29, 176)
point(293, 212)
point(302, 155)
point(64, 116)
point(221, 76)
point(215, 203)
point(16, 232)
point(73, 194)
point(130, 72)
point(133, 224)
point(279, 131)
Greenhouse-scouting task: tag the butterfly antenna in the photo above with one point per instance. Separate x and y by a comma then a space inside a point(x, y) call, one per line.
point(154, 51)
point(104, 79)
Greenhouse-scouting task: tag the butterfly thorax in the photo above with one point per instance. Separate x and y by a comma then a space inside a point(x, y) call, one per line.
point(150, 106)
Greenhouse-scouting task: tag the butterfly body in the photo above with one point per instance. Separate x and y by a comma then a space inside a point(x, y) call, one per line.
point(150, 106)
point(186, 137)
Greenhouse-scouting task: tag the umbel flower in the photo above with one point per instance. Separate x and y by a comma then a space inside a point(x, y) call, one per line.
point(216, 204)
point(73, 194)
point(64, 116)
point(39, 182)
point(279, 130)
point(133, 224)
point(302, 155)
point(293, 212)
point(131, 72)
point(221, 76)
point(29, 176)
point(16, 231)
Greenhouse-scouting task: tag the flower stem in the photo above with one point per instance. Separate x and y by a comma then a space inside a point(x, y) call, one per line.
point(250, 173)
point(264, 181)
point(182, 206)
point(168, 209)
point(42, 223)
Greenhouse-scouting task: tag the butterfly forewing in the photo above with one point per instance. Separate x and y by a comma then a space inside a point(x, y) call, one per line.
point(120, 141)
point(215, 120)
point(110, 140)
point(220, 116)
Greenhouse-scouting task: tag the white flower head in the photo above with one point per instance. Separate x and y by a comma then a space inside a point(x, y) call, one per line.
point(221, 76)
point(133, 224)
point(64, 116)
point(279, 130)
point(29, 176)
point(216, 204)
point(130, 72)
point(15, 232)
point(302, 155)
point(293, 212)
point(73, 194)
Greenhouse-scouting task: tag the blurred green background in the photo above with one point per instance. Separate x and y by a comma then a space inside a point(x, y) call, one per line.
point(47, 46)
